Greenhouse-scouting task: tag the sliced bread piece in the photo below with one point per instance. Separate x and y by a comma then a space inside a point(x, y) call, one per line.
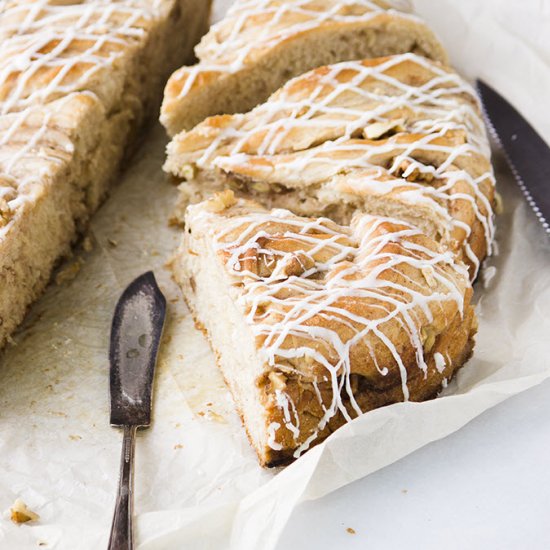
point(331, 321)
point(77, 82)
point(55, 160)
point(263, 43)
point(400, 136)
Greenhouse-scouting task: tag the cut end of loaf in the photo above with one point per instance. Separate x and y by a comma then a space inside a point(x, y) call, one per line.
point(234, 76)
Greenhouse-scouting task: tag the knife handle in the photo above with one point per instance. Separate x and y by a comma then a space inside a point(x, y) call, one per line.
point(121, 530)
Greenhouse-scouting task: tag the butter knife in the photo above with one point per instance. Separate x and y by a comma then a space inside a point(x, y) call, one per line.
point(526, 152)
point(135, 337)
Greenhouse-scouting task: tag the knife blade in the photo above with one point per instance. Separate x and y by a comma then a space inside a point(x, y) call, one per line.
point(136, 332)
point(526, 152)
point(135, 336)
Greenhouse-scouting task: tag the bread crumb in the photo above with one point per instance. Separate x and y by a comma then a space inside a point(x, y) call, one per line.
point(499, 205)
point(178, 446)
point(428, 273)
point(351, 531)
point(21, 514)
point(87, 244)
point(176, 220)
point(220, 201)
point(213, 415)
point(188, 172)
point(68, 272)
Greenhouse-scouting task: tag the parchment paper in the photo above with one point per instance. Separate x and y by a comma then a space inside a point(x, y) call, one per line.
point(198, 484)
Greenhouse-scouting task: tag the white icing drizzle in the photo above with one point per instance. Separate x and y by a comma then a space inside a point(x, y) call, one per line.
point(315, 135)
point(253, 26)
point(51, 50)
point(440, 363)
point(271, 436)
point(32, 143)
point(290, 414)
point(307, 314)
point(68, 43)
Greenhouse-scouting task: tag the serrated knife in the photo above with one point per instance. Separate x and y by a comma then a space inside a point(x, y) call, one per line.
point(135, 338)
point(526, 152)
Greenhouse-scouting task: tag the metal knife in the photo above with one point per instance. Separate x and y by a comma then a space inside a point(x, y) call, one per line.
point(527, 153)
point(135, 337)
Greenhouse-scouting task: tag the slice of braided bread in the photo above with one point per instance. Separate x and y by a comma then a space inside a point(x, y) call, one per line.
point(331, 320)
point(400, 136)
point(77, 81)
point(263, 43)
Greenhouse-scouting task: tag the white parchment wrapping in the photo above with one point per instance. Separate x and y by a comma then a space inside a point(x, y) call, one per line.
point(198, 484)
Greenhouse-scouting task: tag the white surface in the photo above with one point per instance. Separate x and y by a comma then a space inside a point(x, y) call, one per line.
point(486, 487)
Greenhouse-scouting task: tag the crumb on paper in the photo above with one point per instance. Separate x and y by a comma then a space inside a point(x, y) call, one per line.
point(178, 446)
point(404, 491)
point(68, 272)
point(176, 219)
point(351, 531)
point(87, 244)
point(213, 415)
point(20, 513)
point(60, 414)
point(75, 437)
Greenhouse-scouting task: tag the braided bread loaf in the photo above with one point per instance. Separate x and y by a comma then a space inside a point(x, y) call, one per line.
point(345, 285)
